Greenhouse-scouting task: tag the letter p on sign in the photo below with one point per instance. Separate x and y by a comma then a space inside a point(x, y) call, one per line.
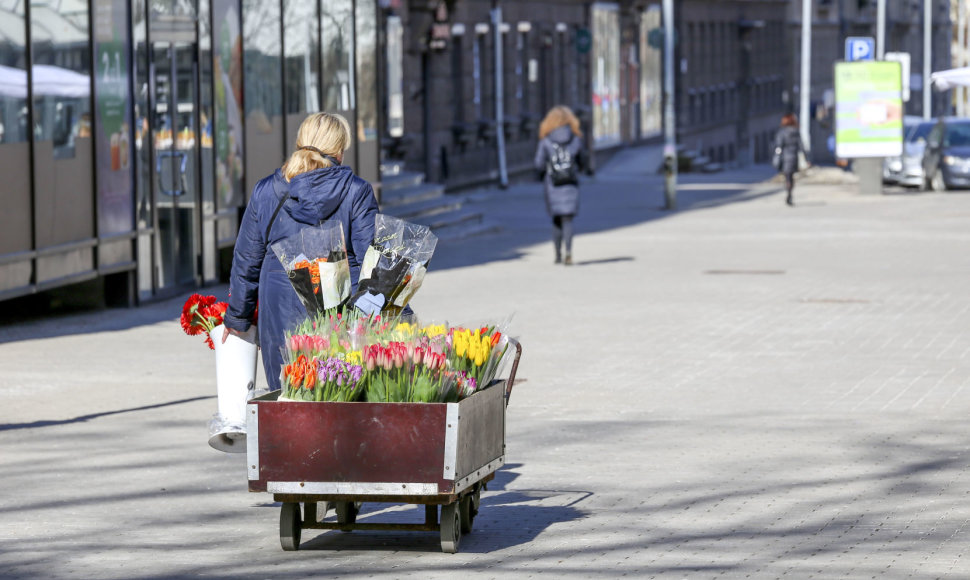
point(860, 48)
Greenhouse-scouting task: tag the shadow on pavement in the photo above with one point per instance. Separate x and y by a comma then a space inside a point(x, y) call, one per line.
point(622, 194)
point(84, 418)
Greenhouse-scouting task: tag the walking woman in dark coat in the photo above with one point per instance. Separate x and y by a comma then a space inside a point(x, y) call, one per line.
point(789, 142)
point(559, 158)
point(312, 186)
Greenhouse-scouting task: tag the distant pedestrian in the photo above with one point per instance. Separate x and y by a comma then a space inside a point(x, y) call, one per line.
point(559, 158)
point(788, 144)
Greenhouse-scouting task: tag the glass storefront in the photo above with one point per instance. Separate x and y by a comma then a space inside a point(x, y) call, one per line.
point(606, 74)
point(651, 74)
point(124, 139)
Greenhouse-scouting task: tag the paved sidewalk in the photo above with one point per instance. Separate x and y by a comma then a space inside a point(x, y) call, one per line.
point(737, 389)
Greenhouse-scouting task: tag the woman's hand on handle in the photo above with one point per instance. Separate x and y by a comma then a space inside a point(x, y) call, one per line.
point(228, 331)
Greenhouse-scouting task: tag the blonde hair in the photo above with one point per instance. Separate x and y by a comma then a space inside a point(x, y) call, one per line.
point(557, 117)
point(326, 133)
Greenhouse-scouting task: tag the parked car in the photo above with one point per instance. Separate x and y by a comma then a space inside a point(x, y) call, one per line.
point(946, 158)
point(907, 169)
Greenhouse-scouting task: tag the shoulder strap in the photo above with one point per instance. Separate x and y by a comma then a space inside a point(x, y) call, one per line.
point(276, 212)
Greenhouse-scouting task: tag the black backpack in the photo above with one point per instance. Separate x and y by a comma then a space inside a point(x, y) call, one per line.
point(561, 165)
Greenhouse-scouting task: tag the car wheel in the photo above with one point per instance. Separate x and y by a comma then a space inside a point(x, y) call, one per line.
point(937, 181)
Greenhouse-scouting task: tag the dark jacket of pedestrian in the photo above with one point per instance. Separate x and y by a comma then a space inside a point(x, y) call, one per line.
point(328, 192)
point(561, 199)
point(790, 142)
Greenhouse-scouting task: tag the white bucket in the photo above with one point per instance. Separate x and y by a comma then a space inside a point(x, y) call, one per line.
point(235, 381)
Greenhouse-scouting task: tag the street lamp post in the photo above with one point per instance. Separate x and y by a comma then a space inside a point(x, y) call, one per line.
point(670, 125)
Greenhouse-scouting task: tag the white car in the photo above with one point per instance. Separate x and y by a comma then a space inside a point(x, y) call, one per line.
point(907, 169)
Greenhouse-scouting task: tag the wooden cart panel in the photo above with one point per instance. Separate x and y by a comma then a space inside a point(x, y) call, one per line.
point(374, 449)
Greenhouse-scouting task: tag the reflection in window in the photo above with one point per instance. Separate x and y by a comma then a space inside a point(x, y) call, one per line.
point(300, 45)
point(606, 73)
point(337, 24)
point(651, 74)
point(395, 76)
point(61, 72)
point(261, 37)
point(367, 70)
point(228, 128)
point(13, 76)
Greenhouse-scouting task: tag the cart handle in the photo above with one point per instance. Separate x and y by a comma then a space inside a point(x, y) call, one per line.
point(515, 366)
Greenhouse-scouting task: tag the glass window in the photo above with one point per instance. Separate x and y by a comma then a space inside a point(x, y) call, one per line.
point(606, 74)
point(651, 74)
point(261, 37)
point(301, 40)
point(13, 75)
point(395, 75)
point(366, 17)
point(61, 72)
point(337, 25)
point(265, 149)
point(227, 67)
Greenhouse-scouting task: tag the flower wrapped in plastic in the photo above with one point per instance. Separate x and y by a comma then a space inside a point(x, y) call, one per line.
point(394, 265)
point(315, 260)
point(479, 354)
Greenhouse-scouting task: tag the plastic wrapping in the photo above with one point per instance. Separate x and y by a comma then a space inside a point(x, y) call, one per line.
point(394, 265)
point(315, 260)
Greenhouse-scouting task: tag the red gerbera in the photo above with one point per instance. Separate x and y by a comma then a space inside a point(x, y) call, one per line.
point(200, 314)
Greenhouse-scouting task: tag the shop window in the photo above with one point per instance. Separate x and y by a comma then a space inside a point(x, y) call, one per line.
point(337, 25)
point(366, 41)
point(262, 57)
point(61, 74)
point(651, 74)
point(395, 75)
point(606, 73)
point(301, 40)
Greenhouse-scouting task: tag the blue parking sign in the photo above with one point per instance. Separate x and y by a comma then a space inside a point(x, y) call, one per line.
point(860, 48)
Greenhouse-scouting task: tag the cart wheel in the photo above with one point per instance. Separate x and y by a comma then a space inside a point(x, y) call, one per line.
point(290, 526)
point(476, 500)
point(467, 514)
point(450, 527)
point(347, 512)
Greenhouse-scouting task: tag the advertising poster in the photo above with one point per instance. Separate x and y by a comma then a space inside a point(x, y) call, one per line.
point(868, 109)
point(227, 77)
point(112, 111)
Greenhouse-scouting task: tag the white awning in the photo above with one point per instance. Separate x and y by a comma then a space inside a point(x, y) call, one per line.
point(48, 81)
point(947, 79)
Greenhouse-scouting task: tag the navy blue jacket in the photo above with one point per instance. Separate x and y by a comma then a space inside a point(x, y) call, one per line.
point(332, 193)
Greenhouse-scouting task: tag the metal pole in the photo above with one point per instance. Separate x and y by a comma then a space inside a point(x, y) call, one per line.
point(670, 124)
point(805, 86)
point(927, 56)
point(880, 29)
point(499, 98)
point(961, 92)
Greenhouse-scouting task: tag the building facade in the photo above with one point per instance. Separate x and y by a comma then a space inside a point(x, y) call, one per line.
point(131, 133)
point(835, 20)
point(603, 59)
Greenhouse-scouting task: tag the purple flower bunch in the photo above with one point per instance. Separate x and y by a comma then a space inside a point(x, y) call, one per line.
point(338, 380)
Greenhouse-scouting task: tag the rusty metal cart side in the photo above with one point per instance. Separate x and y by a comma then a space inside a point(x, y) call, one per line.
point(435, 454)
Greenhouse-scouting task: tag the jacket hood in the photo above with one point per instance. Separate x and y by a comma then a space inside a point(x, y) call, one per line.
point(316, 194)
point(561, 134)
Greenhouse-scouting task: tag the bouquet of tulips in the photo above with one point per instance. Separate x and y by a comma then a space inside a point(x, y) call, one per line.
point(315, 260)
point(350, 356)
point(478, 352)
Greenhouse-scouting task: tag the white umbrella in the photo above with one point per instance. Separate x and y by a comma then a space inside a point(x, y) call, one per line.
point(947, 79)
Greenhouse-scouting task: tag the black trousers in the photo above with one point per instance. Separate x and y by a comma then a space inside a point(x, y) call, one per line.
point(562, 232)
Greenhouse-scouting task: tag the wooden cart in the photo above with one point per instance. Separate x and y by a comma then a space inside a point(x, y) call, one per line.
point(341, 455)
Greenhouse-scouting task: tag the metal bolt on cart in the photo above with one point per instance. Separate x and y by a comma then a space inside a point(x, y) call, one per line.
point(431, 454)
